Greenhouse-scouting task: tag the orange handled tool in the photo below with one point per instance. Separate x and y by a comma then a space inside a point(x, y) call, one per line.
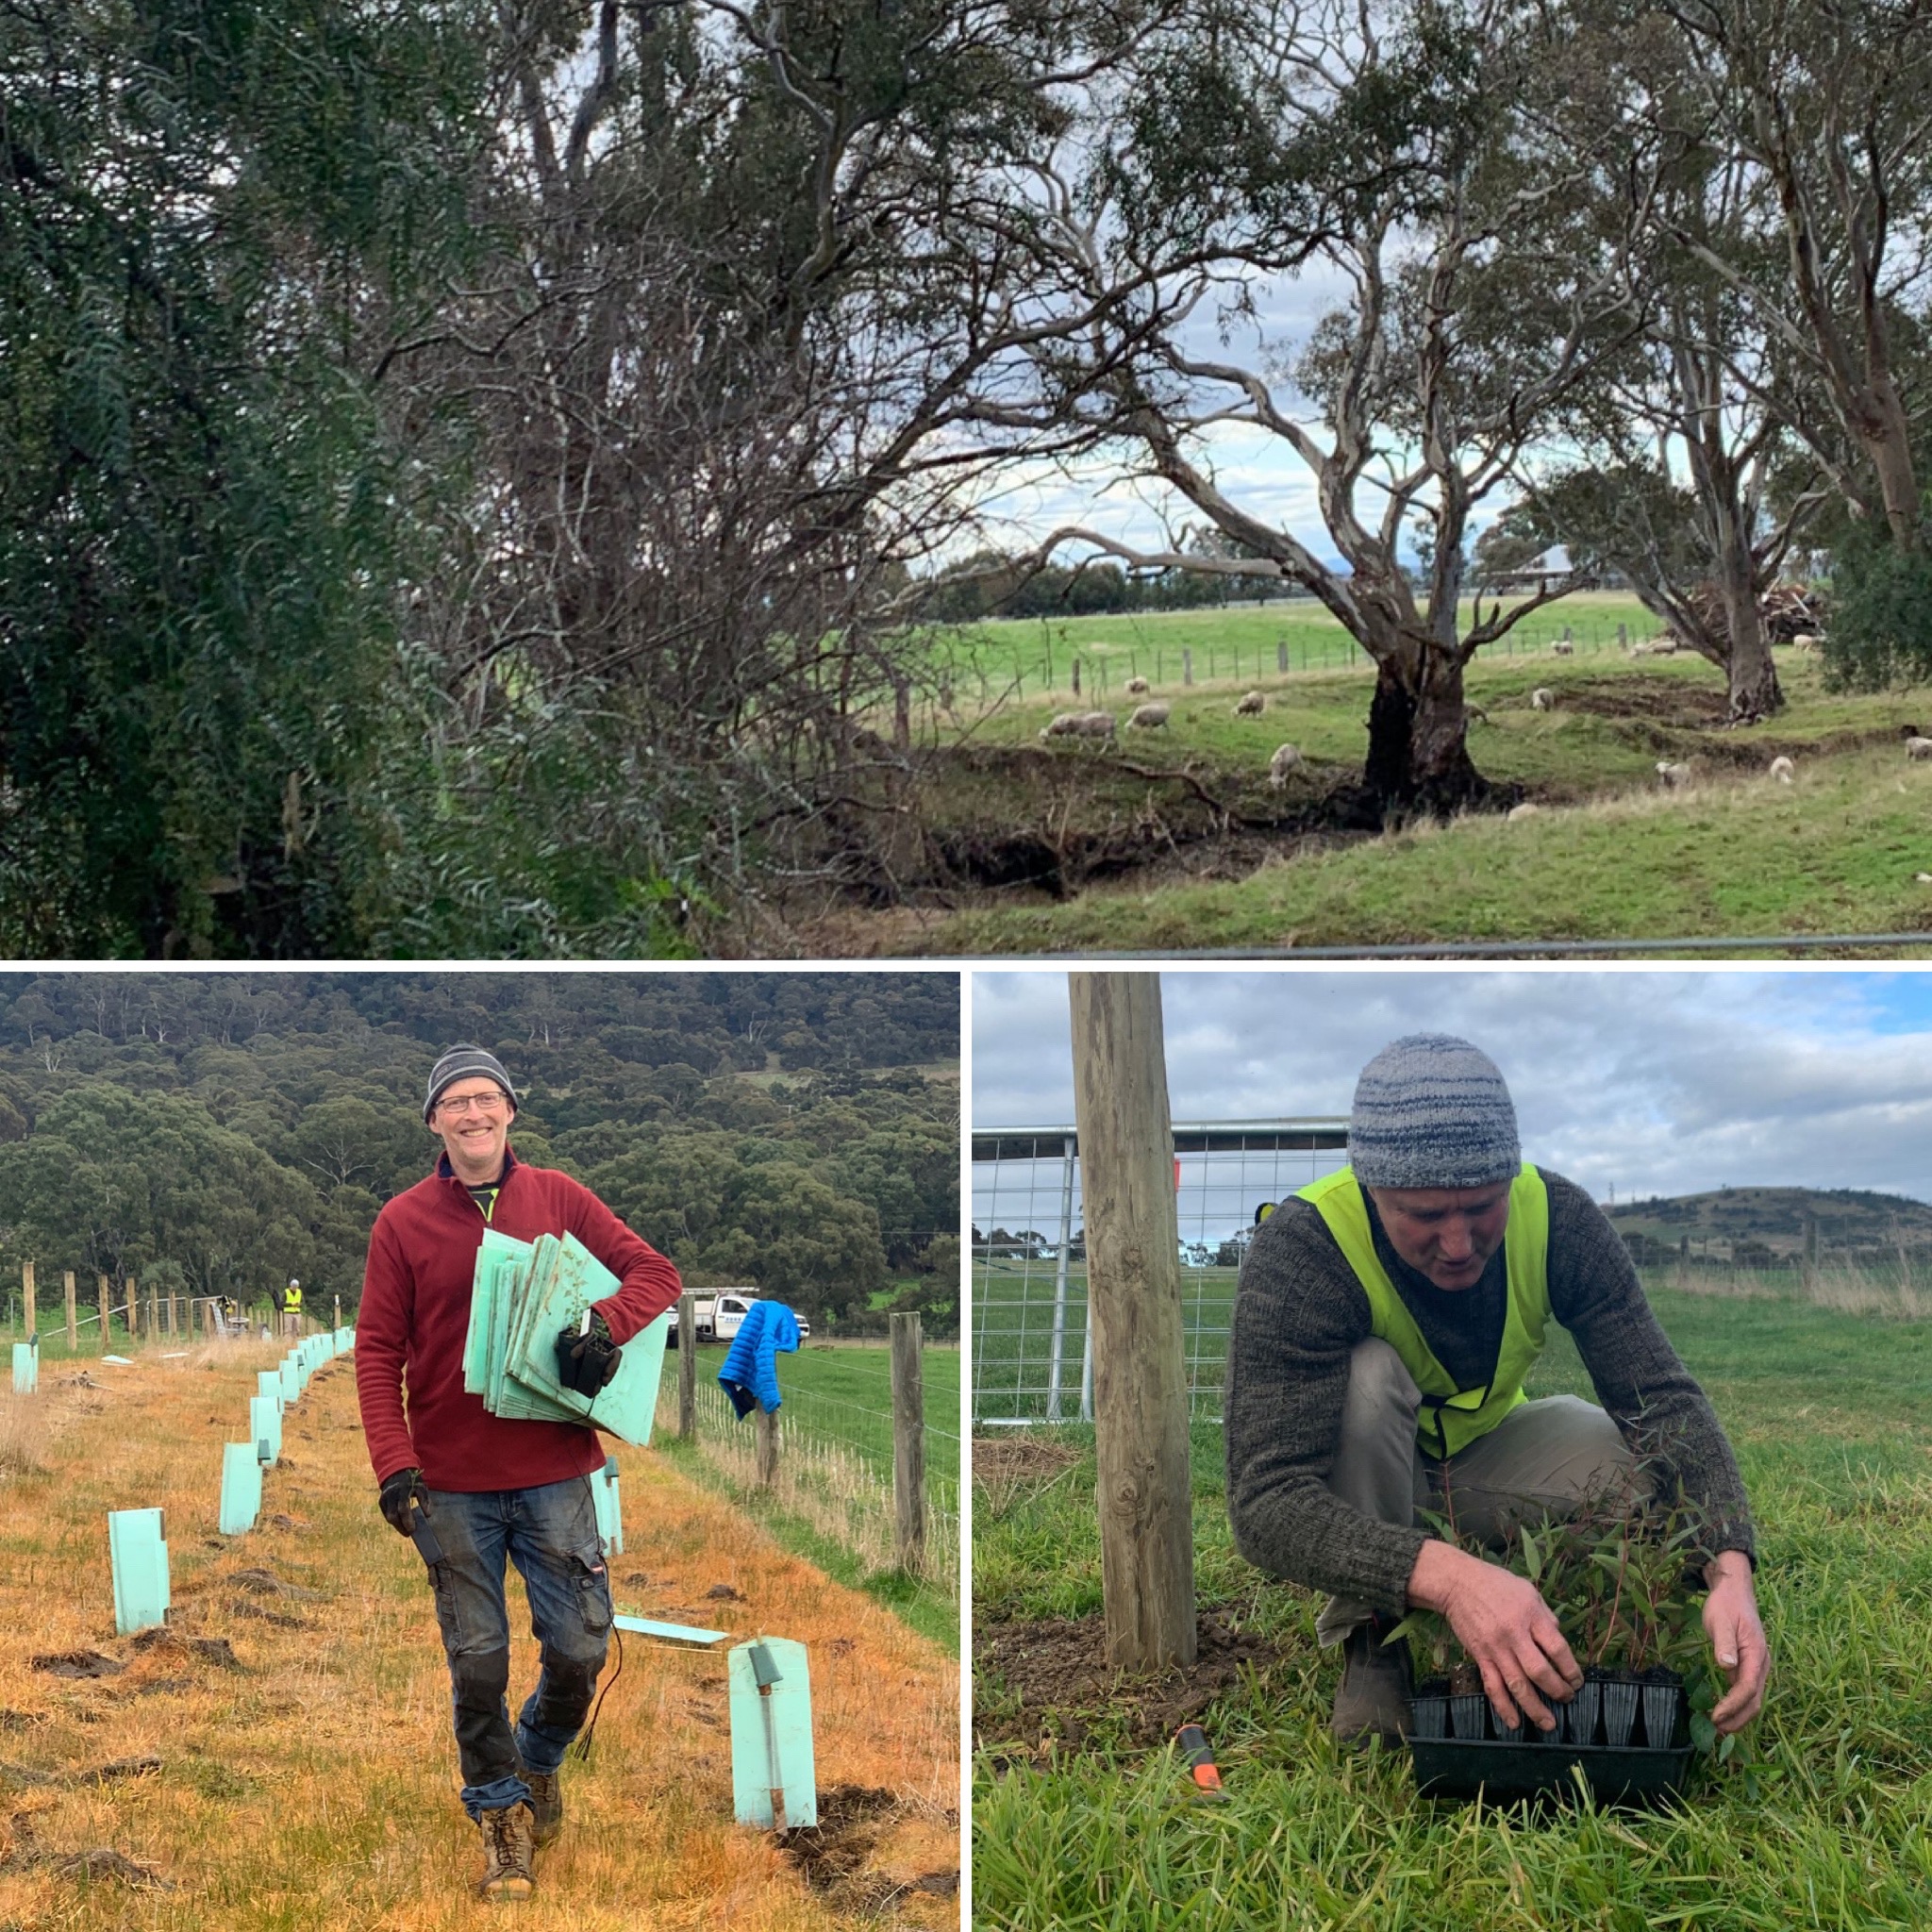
point(1193, 1742)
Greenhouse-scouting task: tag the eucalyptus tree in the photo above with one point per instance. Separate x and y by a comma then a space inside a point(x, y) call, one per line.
point(1381, 158)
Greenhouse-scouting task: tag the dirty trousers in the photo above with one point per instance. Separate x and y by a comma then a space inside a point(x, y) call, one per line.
point(1539, 1461)
point(550, 1534)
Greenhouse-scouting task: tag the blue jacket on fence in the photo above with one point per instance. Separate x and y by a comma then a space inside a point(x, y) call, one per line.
point(750, 1374)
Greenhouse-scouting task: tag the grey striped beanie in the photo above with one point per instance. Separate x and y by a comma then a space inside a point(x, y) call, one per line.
point(1432, 1111)
point(465, 1062)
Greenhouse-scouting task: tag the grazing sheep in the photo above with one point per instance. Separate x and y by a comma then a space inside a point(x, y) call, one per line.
point(1287, 757)
point(1805, 640)
point(1138, 686)
point(1919, 747)
point(1542, 699)
point(1475, 714)
point(1252, 705)
point(1673, 774)
point(1096, 724)
point(1783, 770)
point(1527, 809)
point(1064, 724)
point(1147, 716)
point(1924, 878)
point(1562, 649)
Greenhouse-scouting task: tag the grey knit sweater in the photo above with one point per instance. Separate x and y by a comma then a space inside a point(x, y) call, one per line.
point(1298, 1312)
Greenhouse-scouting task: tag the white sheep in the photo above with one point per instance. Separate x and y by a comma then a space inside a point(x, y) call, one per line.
point(1146, 717)
point(1286, 759)
point(1527, 809)
point(1138, 686)
point(1542, 699)
point(1475, 714)
point(1673, 774)
point(1252, 705)
point(1804, 641)
point(1562, 648)
point(1063, 725)
point(1096, 724)
point(1783, 770)
point(1919, 747)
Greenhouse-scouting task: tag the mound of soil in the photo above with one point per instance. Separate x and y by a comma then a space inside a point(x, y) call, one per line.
point(1058, 1686)
point(856, 1857)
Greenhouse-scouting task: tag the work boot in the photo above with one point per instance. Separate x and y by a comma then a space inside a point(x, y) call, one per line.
point(1372, 1699)
point(508, 1843)
point(546, 1805)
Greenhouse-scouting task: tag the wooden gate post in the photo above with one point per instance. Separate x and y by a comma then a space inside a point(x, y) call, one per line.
point(73, 1325)
point(908, 1442)
point(686, 1366)
point(1134, 1303)
point(107, 1314)
point(766, 1431)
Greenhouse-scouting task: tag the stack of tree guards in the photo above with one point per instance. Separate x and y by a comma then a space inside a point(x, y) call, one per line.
point(525, 1295)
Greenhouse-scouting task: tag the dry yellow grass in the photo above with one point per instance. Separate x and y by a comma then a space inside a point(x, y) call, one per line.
point(316, 1785)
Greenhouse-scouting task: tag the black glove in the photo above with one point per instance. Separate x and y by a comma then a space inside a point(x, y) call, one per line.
point(585, 1362)
point(398, 1492)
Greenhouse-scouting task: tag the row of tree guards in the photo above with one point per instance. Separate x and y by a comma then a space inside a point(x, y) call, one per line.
point(908, 1426)
point(168, 1315)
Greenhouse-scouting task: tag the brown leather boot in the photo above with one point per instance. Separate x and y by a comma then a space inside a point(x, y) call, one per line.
point(1373, 1700)
point(546, 1805)
point(508, 1839)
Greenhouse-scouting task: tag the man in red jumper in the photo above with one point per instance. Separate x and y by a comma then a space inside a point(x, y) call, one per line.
point(485, 1487)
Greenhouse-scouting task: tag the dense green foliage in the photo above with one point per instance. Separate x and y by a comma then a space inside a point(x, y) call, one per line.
point(799, 1132)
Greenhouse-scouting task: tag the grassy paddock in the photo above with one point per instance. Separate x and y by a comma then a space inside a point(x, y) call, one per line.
point(313, 1784)
point(1831, 1417)
point(1033, 657)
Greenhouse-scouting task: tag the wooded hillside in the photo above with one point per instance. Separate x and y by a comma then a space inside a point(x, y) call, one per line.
point(219, 1133)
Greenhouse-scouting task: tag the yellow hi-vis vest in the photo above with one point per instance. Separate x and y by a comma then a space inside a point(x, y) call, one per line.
point(1451, 1418)
point(292, 1301)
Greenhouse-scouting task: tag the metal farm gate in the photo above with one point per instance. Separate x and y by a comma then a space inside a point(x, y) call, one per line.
point(1031, 1361)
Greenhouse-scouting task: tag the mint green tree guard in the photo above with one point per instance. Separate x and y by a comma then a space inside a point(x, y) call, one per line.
point(269, 1382)
point(140, 1561)
point(240, 1488)
point(265, 1426)
point(753, 1775)
point(26, 1367)
point(292, 1385)
point(609, 1506)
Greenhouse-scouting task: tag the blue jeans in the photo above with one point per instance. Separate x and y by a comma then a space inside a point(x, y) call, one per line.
point(550, 1534)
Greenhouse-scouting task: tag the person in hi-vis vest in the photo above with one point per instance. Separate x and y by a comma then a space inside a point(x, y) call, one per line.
point(291, 1307)
point(1384, 1322)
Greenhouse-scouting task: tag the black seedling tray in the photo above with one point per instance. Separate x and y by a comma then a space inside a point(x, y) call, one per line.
point(1498, 1765)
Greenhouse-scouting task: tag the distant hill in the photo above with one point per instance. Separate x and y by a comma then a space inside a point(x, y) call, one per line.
point(1719, 1224)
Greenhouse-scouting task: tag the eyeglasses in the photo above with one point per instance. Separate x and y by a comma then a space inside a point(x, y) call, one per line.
point(473, 1102)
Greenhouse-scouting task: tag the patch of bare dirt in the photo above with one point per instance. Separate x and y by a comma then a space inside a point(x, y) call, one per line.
point(873, 1851)
point(1052, 1682)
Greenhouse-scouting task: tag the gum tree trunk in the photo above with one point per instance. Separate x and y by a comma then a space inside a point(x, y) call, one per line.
point(1419, 734)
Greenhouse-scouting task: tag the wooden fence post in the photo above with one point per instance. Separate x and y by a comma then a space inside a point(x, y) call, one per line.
point(1134, 1304)
point(1281, 655)
point(908, 1442)
point(153, 1316)
point(107, 1314)
point(27, 1299)
point(766, 1429)
point(1187, 667)
point(686, 1366)
point(72, 1325)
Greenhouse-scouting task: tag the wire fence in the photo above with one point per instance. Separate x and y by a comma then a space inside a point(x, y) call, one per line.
point(1100, 669)
point(834, 1462)
point(1032, 1359)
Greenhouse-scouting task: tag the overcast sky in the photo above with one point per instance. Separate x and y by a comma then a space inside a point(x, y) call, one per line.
point(1647, 1082)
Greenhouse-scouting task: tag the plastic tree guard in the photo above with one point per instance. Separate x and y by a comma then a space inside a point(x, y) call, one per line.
point(771, 1733)
point(241, 1488)
point(140, 1561)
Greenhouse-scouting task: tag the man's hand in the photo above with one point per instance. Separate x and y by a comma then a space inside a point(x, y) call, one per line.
point(585, 1362)
point(398, 1492)
point(1501, 1619)
point(1737, 1635)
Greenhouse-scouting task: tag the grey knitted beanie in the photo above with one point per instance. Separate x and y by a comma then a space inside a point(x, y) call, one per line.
point(1432, 1111)
point(465, 1062)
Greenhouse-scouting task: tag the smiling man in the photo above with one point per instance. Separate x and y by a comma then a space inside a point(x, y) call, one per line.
point(1385, 1317)
point(474, 1489)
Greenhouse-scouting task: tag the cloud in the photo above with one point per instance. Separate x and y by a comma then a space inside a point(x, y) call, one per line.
point(1647, 1082)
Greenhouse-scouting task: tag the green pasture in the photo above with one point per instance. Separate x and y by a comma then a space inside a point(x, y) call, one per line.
point(1608, 855)
point(1824, 1819)
point(1034, 658)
